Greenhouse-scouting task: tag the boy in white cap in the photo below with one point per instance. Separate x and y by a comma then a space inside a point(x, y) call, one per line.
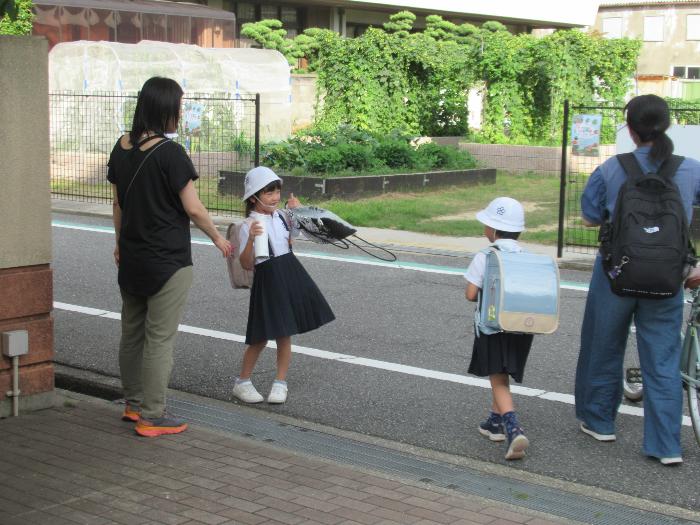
point(501, 354)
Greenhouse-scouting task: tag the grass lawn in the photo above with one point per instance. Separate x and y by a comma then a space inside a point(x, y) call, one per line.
point(452, 211)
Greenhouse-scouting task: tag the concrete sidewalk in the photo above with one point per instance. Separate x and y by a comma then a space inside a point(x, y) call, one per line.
point(392, 239)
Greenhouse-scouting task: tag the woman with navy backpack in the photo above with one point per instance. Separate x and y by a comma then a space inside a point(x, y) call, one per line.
point(611, 307)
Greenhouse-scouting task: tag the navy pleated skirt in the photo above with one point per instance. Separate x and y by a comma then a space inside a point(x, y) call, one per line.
point(284, 301)
point(501, 353)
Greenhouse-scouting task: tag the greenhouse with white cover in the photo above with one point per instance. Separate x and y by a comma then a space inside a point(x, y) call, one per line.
point(94, 85)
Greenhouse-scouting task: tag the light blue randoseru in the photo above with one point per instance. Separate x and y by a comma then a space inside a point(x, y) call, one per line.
point(520, 293)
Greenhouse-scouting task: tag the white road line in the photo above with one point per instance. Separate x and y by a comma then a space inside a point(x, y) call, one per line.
point(404, 265)
point(364, 361)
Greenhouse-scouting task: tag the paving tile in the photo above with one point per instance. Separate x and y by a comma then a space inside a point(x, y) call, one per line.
point(344, 482)
point(281, 516)
point(166, 518)
point(167, 505)
point(394, 516)
point(203, 504)
point(203, 482)
point(350, 503)
point(126, 518)
point(431, 515)
point(320, 517)
point(348, 492)
point(470, 515)
point(462, 502)
point(425, 504)
point(241, 504)
point(419, 492)
point(241, 516)
point(279, 504)
point(313, 503)
point(356, 515)
point(384, 492)
point(270, 462)
point(205, 517)
point(12, 508)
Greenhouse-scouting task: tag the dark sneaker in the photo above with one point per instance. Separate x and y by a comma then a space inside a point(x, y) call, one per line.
point(131, 413)
point(159, 426)
point(600, 437)
point(492, 428)
point(517, 442)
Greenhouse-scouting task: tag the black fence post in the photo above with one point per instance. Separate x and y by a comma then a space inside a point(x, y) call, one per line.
point(257, 129)
point(562, 181)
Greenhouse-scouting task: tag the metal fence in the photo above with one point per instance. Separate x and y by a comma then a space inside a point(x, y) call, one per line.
point(579, 161)
point(220, 134)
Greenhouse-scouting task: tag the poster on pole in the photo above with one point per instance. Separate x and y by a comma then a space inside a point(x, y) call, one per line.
point(585, 135)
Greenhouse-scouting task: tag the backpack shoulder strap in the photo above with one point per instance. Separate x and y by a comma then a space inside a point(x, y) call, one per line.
point(670, 166)
point(630, 165)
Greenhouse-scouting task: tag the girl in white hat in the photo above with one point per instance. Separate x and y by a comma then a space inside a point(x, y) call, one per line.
point(284, 300)
point(499, 355)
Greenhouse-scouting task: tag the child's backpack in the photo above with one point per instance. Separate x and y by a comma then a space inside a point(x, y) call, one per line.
point(239, 276)
point(520, 293)
point(645, 246)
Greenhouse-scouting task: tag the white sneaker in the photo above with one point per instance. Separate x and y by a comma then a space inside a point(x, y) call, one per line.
point(600, 437)
point(246, 392)
point(676, 460)
point(278, 393)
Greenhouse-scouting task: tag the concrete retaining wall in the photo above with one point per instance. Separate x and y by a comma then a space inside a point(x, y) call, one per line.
point(231, 182)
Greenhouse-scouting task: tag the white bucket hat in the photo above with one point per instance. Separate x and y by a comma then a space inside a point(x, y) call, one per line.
point(256, 179)
point(504, 214)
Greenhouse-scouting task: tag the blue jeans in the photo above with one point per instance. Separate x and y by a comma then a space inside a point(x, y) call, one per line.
point(599, 371)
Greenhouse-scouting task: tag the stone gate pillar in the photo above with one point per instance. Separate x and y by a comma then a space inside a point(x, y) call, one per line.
point(26, 286)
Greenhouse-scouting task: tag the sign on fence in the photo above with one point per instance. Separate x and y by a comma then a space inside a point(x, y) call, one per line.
point(585, 135)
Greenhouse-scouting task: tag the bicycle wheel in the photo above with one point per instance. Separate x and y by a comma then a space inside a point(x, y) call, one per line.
point(693, 387)
point(632, 375)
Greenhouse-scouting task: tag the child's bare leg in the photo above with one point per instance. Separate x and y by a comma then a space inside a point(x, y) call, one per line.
point(250, 357)
point(500, 390)
point(284, 357)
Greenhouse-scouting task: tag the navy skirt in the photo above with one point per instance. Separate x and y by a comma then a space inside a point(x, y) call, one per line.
point(284, 301)
point(501, 353)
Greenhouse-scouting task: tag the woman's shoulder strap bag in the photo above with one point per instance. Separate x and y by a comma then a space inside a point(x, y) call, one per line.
point(150, 152)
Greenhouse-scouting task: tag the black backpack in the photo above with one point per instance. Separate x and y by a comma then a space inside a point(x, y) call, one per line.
point(645, 246)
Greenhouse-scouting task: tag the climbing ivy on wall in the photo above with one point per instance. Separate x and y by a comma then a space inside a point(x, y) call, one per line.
point(393, 78)
point(16, 17)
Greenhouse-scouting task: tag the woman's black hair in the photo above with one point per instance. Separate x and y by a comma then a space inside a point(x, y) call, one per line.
point(649, 117)
point(157, 107)
point(250, 203)
point(507, 235)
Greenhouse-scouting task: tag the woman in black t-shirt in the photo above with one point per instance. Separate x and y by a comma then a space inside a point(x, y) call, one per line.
point(154, 201)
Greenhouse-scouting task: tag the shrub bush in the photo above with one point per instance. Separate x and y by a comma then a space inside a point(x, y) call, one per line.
point(434, 156)
point(324, 160)
point(396, 154)
point(352, 152)
point(356, 157)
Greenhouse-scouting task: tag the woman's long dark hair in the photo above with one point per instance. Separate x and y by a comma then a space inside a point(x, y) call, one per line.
point(649, 117)
point(157, 108)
